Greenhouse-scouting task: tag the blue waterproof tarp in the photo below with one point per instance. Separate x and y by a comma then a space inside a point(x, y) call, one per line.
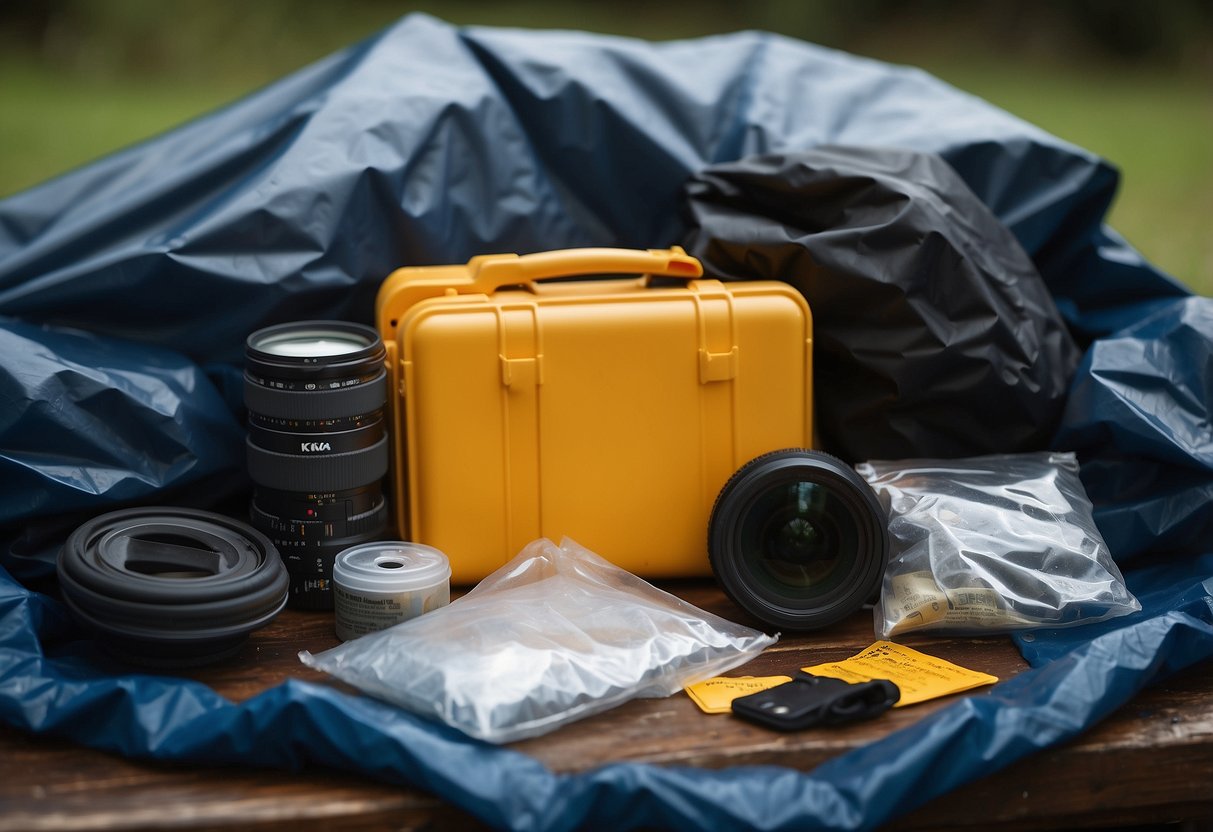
point(127, 289)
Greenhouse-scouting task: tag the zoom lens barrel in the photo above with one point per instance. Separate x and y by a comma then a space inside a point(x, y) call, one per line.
point(317, 445)
point(798, 539)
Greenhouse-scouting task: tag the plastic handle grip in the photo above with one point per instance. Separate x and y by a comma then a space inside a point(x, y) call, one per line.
point(495, 271)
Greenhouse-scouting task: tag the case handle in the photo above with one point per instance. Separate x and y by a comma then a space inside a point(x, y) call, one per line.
point(491, 272)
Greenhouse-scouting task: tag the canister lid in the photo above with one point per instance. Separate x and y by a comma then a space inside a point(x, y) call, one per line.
point(390, 566)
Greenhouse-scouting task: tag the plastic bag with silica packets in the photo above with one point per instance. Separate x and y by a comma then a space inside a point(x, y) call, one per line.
point(555, 635)
point(992, 544)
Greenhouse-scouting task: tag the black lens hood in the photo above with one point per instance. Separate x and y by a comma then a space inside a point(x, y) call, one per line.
point(171, 587)
point(738, 498)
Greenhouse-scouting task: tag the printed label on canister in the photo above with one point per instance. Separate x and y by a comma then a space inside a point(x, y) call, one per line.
point(360, 613)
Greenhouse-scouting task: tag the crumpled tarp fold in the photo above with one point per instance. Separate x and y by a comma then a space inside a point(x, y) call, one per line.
point(869, 235)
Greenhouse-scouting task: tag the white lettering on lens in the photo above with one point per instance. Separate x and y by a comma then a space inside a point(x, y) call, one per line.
point(311, 447)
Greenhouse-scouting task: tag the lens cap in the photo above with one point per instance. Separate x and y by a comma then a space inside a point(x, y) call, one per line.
point(798, 539)
point(171, 587)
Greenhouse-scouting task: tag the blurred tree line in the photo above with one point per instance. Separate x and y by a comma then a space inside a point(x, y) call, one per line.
point(1126, 79)
point(190, 38)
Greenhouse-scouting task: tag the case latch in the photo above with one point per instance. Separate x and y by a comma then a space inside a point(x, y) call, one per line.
point(519, 372)
point(519, 350)
point(717, 366)
point(718, 350)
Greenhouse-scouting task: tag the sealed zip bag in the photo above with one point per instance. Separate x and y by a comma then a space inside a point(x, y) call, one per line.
point(992, 544)
point(555, 635)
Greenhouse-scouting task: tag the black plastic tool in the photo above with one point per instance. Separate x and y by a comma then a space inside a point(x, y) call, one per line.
point(810, 700)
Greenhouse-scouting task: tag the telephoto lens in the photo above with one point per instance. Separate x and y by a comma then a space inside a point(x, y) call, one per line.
point(798, 539)
point(317, 446)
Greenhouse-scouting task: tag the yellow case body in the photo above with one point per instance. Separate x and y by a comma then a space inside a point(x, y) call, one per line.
point(610, 411)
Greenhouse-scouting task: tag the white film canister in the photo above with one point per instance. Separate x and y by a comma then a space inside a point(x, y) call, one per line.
point(376, 585)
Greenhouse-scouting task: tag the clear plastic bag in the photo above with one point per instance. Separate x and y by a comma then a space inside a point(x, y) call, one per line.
point(555, 635)
point(992, 544)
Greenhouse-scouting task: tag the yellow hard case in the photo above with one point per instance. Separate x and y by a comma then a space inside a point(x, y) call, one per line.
point(609, 410)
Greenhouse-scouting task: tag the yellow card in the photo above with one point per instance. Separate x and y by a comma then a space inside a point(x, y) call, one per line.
point(918, 676)
point(715, 696)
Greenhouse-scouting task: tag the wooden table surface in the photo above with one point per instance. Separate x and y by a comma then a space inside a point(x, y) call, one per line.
point(1152, 761)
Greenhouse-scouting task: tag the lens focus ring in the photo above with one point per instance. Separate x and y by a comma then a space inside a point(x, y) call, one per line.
point(330, 472)
point(316, 405)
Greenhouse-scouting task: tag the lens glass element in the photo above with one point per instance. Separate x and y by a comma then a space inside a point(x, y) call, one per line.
point(798, 537)
point(310, 343)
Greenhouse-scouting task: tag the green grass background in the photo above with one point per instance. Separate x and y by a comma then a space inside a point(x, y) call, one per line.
point(113, 73)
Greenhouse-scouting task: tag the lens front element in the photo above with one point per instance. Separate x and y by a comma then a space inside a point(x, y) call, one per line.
point(798, 539)
point(802, 533)
point(306, 342)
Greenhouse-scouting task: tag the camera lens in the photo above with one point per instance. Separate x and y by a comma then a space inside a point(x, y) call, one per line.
point(798, 539)
point(317, 445)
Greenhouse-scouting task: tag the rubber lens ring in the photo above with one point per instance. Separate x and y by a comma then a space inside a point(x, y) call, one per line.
point(171, 587)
